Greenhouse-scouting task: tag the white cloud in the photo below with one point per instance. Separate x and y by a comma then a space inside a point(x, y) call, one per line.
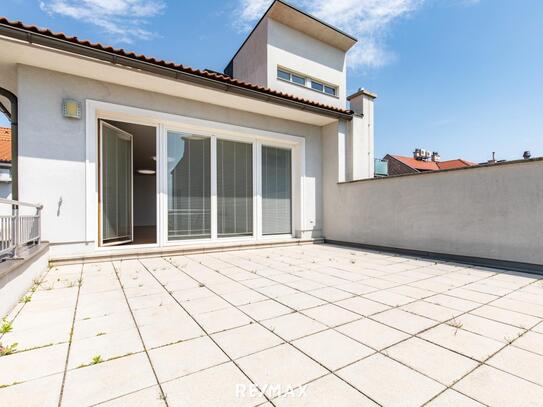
point(367, 20)
point(123, 20)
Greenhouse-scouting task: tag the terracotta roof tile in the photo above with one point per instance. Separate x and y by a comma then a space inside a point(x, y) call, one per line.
point(5, 145)
point(182, 68)
point(459, 163)
point(417, 164)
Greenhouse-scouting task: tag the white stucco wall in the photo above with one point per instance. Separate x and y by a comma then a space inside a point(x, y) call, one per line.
point(52, 148)
point(493, 212)
point(8, 73)
point(250, 62)
point(296, 51)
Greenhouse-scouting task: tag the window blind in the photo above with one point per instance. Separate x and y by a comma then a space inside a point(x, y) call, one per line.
point(189, 187)
point(117, 185)
point(234, 188)
point(276, 191)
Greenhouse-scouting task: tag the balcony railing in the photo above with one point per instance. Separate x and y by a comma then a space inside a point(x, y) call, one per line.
point(381, 167)
point(18, 230)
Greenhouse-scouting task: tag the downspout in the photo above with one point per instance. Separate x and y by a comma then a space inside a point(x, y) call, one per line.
point(13, 117)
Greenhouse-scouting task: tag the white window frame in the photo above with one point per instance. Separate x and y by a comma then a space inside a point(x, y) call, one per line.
point(165, 122)
point(308, 82)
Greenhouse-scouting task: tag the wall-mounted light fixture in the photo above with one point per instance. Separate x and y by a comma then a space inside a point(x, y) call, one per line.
point(71, 108)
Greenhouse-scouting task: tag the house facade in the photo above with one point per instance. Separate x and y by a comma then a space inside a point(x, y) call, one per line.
point(127, 152)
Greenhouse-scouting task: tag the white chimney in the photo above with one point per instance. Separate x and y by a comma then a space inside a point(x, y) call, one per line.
point(360, 148)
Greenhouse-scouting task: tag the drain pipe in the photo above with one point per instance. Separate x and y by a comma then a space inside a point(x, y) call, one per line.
point(13, 117)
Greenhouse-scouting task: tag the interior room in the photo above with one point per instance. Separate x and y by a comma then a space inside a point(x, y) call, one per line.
point(129, 184)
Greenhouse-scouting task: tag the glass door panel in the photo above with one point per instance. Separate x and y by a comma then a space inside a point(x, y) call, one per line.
point(234, 189)
point(189, 186)
point(116, 185)
point(276, 191)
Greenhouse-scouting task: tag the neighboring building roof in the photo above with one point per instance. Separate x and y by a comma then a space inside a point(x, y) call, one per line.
point(420, 165)
point(5, 145)
point(458, 163)
point(416, 164)
point(205, 74)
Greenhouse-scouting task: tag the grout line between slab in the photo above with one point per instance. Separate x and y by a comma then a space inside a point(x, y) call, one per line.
point(71, 335)
point(163, 396)
point(203, 329)
point(286, 341)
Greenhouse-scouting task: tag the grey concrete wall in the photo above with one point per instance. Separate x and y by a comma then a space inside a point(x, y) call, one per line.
point(52, 148)
point(493, 212)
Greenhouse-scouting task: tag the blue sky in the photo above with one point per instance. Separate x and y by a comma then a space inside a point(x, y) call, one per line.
point(462, 77)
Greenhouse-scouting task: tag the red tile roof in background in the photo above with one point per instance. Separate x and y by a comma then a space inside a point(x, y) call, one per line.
point(182, 68)
point(431, 165)
point(458, 163)
point(5, 145)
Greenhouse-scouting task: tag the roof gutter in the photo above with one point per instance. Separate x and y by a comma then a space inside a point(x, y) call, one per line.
point(62, 45)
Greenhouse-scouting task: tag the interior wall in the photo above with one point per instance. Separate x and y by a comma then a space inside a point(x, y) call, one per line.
point(492, 212)
point(144, 200)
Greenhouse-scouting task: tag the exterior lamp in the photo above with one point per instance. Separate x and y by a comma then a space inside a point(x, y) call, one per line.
point(71, 108)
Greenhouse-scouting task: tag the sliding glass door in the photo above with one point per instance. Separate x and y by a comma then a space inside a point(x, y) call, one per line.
point(234, 189)
point(276, 191)
point(211, 188)
point(189, 186)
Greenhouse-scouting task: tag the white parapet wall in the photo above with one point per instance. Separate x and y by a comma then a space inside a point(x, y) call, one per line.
point(488, 212)
point(17, 276)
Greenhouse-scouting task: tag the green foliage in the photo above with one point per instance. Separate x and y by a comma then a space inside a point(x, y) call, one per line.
point(8, 349)
point(6, 326)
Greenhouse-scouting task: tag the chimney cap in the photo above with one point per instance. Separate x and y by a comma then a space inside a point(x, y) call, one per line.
point(362, 91)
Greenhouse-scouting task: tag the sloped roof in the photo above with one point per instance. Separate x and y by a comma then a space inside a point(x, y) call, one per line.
point(416, 164)
point(210, 75)
point(458, 163)
point(431, 165)
point(5, 145)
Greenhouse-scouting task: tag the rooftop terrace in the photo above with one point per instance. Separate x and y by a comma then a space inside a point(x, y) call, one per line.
point(352, 327)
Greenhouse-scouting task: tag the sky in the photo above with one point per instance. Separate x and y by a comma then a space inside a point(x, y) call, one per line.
point(461, 77)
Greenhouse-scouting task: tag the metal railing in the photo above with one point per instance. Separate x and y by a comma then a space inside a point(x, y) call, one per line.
point(18, 230)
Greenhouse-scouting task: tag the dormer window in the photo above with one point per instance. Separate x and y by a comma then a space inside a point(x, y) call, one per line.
point(329, 90)
point(317, 86)
point(314, 84)
point(300, 80)
point(283, 75)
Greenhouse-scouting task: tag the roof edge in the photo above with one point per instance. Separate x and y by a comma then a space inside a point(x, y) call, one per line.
point(287, 4)
point(59, 41)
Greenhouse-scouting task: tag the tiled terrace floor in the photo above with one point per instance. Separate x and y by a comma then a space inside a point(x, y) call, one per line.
point(359, 328)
